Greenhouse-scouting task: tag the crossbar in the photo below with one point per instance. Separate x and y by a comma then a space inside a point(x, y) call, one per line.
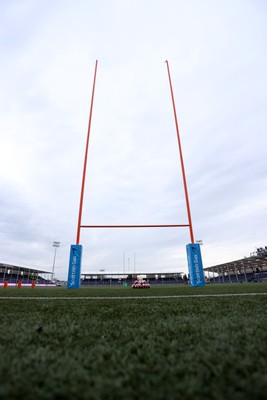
point(137, 226)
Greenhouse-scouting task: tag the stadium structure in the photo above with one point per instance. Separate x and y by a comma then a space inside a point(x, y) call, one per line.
point(12, 274)
point(247, 269)
point(166, 278)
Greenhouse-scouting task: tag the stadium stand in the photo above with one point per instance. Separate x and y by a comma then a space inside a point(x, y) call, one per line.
point(88, 279)
point(13, 273)
point(247, 269)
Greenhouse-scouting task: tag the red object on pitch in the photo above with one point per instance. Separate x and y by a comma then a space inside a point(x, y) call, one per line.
point(19, 284)
point(5, 284)
point(141, 284)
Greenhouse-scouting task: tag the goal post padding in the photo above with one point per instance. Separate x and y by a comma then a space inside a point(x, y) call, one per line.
point(74, 280)
point(195, 266)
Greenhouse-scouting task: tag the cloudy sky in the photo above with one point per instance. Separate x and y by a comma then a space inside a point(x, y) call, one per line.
point(218, 60)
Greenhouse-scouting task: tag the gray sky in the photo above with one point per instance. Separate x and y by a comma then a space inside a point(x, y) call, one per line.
point(218, 61)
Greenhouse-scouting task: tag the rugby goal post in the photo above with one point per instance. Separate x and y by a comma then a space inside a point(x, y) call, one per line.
point(195, 266)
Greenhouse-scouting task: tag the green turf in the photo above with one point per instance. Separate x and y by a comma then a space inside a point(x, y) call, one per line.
point(170, 348)
point(110, 291)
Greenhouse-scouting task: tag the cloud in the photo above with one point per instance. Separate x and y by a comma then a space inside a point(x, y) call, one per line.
point(218, 63)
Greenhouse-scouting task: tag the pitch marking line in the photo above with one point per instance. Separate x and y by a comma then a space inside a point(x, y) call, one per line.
point(130, 297)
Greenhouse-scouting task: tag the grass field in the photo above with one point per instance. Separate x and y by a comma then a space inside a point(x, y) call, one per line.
point(120, 343)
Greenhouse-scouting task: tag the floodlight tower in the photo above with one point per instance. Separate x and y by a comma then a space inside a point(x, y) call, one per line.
point(55, 245)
